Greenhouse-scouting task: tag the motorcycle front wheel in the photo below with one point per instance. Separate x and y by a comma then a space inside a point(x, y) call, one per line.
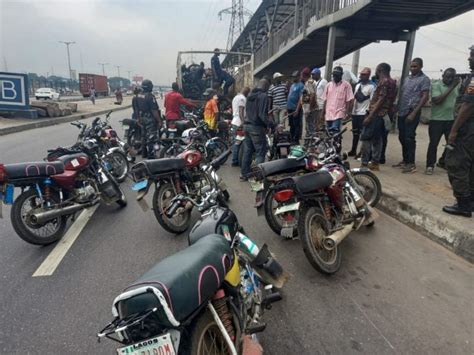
point(369, 186)
point(120, 166)
point(38, 234)
point(161, 201)
point(218, 147)
point(312, 229)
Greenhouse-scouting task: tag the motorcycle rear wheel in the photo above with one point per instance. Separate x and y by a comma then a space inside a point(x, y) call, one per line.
point(53, 230)
point(161, 201)
point(273, 221)
point(312, 228)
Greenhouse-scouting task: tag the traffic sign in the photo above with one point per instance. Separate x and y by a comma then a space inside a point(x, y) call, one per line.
point(14, 91)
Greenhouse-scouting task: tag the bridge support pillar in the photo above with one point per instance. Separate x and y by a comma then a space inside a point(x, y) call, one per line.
point(355, 62)
point(330, 51)
point(408, 56)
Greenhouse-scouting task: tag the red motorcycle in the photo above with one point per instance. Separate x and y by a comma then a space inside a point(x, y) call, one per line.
point(53, 191)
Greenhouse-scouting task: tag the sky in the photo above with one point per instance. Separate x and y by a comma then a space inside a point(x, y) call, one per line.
point(144, 36)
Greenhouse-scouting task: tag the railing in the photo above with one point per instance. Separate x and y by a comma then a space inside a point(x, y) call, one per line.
point(304, 15)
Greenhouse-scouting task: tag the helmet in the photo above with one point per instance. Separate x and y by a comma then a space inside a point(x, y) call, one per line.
point(147, 85)
point(297, 151)
point(189, 134)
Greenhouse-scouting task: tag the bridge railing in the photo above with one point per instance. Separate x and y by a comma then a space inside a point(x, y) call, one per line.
point(297, 22)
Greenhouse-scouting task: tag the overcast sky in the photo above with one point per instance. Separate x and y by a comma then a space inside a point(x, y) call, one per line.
point(144, 36)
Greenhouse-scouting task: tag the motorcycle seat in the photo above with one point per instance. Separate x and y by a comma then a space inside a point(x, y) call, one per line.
point(281, 166)
point(313, 181)
point(158, 166)
point(182, 125)
point(33, 169)
point(186, 279)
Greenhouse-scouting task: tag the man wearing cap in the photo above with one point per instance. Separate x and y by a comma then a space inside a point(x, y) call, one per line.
point(363, 92)
point(319, 84)
point(278, 94)
point(338, 102)
point(308, 102)
point(294, 109)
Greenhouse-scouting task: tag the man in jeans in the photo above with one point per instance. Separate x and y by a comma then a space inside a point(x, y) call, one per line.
point(238, 116)
point(308, 102)
point(338, 102)
point(443, 100)
point(414, 96)
point(294, 111)
point(278, 94)
point(380, 105)
point(255, 126)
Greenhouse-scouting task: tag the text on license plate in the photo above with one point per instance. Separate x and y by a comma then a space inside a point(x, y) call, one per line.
point(161, 345)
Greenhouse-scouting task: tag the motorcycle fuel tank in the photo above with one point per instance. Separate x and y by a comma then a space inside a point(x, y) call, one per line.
point(192, 158)
point(217, 220)
point(75, 162)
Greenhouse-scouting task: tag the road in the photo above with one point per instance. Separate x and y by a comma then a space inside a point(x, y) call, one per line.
point(397, 292)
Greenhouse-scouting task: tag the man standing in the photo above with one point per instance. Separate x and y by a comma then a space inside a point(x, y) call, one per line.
point(443, 100)
point(338, 102)
point(255, 126)
point(363, 92)
point(238, 117)
point(118, 96)
point(219, 74)
point(308, 102)
point(173, 101)
point(149, 117)
point(319, 84)
point(414, 96)
point(460, 156)
point(278, 94)
point(92, 95)
point(294, 109)
point(373, 125)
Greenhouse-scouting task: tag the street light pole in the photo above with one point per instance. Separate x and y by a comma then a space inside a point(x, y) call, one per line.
point(129, 71)
point(103, 67)
point(68, 57)
point(118, 70)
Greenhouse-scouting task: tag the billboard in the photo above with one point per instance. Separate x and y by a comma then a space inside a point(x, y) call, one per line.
point(14, 91)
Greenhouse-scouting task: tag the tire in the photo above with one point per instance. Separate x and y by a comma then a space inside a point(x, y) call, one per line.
point(122, 202)
point(272, 220)
point(195, 342)
point(25, 232)
point(226, 195)
point(167, 223)
point(374, 193)
point(220, 147)
point(313, 216)
point(120, 165)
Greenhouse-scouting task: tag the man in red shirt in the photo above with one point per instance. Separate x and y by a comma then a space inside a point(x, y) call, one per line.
point(173, 100)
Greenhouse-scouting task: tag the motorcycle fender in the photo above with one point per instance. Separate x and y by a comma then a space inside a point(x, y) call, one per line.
point(287, 208)
point(233, 276)
point(214, 139)
point(114, 149)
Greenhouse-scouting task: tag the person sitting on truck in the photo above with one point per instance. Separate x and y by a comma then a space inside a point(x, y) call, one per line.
point(220, 75)
point(173, 101)
point(149, 117)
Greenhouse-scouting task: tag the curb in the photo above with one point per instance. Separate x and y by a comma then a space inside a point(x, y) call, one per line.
point(444, 231)
point(55, 121)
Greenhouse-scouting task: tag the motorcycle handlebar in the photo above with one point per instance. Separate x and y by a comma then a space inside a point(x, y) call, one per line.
point(217, 162)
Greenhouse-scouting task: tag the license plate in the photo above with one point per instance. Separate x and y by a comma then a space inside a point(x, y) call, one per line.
point(140, 185)
point(161, 345)
point(287, 208)
point(240, 138)
point(256, 186)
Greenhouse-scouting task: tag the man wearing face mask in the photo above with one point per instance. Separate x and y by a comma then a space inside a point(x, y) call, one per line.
point(443, 100)
point(338, 100)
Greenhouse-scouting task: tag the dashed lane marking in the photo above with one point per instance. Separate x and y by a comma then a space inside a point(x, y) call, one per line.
point(56, 255)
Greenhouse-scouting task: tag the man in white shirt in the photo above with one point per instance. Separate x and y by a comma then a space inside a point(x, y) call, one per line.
point(363, 92)
point(319, 84)
point(238, 116)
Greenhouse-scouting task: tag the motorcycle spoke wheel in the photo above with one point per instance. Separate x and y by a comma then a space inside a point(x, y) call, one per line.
point(167, 196)
point(316, 235)
point(369, 186)
point(39, 230)
point(212, 342)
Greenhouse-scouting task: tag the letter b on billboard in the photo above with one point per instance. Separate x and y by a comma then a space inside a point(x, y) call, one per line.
point(13, 91)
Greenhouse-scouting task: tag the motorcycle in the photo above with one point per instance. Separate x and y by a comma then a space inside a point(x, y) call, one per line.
point(53, 191)
point(203, 299)
point(187, 173)
point(270, 176)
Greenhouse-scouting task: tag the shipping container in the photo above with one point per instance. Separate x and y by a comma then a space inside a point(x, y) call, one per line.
point(89, 81)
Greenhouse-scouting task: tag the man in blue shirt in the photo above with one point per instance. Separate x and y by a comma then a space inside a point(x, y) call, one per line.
point(294, 110)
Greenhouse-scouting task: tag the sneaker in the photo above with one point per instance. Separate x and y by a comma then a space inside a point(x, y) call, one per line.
point(243, 178)
point(352, 153)
point(373, 166)
point(429, 170)
point(409, 168)
point(400, 165)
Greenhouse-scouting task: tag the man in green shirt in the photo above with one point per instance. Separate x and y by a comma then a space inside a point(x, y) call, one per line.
point(443, 99)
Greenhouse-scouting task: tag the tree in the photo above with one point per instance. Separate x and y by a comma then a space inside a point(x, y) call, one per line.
point(115, 82)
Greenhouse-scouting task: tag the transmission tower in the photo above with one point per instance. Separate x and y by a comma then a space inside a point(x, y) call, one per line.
point(236, 12)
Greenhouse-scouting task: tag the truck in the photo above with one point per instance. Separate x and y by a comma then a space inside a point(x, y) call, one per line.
point(89, 81)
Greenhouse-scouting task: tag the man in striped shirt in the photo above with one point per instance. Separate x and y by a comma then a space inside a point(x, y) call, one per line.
point(278, 94)
point(338, 102)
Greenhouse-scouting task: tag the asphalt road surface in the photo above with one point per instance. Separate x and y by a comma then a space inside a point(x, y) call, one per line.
point(397, 292)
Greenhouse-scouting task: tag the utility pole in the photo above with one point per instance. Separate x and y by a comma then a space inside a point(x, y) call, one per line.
point(236, 12)
point(129, 71)
point(103, 67)
point(68, 57)
point(118, 70)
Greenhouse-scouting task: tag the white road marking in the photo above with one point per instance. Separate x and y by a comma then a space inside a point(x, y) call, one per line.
point(56, 255)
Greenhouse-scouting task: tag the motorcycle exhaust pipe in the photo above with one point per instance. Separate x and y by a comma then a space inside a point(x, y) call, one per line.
point(43, 217)
point(332, 241)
